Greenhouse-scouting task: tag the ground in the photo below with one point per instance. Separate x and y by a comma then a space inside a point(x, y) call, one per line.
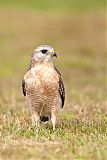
point(78, 35)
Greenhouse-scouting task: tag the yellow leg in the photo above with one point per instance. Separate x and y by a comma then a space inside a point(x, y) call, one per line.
point(36, 119)
point(53, 119)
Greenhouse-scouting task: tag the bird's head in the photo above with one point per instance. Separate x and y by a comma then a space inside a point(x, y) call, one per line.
point(44, 52)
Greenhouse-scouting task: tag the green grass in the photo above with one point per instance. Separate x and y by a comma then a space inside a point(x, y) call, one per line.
point(77, 136)
point(79, 40)
point(47, 5)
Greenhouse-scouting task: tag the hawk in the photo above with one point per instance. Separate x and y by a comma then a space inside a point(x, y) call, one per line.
point(43, 87)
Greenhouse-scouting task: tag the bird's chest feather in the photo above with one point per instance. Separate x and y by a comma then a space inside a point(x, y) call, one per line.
point(47, 77)
point(47, 80)
point(44, 79)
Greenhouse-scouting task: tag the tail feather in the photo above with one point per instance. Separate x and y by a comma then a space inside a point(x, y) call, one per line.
point(44, 118)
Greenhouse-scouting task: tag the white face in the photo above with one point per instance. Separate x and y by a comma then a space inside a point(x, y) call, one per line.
point(44, 52)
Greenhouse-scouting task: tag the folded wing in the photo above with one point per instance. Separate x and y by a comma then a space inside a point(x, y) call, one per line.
point(61, 88)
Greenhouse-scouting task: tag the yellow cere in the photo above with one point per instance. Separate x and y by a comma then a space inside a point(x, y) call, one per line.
point(52, 51)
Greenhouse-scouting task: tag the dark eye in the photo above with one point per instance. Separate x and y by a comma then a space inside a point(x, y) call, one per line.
point(44, 51)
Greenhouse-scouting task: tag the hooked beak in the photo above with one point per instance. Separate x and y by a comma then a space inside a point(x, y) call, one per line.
point(54, 54)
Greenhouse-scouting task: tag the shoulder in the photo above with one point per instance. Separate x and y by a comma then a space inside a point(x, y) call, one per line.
point(57, 71)
point(29, 74)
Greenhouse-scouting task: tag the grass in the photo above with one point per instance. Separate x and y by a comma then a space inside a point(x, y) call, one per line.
point(61, 5)
point(79, 39)
point(78, 136)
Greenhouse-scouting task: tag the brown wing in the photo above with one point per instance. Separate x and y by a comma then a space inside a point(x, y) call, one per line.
point(61, 88)
point(62, 91)
point(23, 88)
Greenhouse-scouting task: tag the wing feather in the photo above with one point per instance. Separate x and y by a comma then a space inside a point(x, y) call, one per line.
point(23, 88)
point(61, 88)
point(62, 91)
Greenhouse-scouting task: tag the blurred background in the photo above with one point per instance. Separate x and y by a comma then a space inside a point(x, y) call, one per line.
point(75, 29)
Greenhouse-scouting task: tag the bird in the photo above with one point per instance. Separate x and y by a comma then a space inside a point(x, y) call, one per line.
point(43, 87)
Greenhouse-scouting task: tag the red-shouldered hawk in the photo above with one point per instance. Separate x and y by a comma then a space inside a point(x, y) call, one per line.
point(43, 87)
